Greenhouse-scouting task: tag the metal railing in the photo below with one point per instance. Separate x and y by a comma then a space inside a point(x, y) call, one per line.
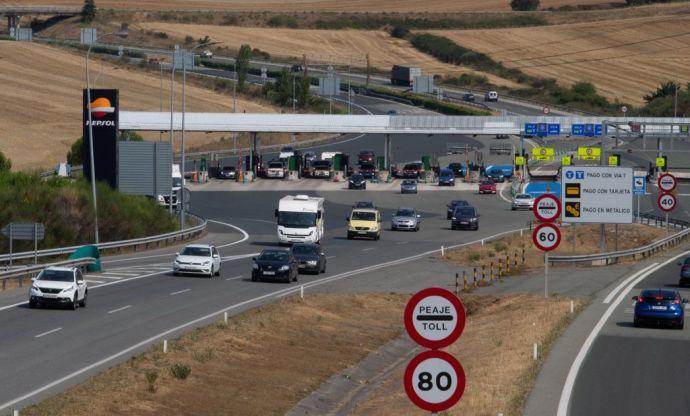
point(135, 242)
point(20, 272)
point(644, 251)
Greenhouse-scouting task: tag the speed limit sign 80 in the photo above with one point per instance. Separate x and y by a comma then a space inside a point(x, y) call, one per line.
point(434, 380)
point(546, 237)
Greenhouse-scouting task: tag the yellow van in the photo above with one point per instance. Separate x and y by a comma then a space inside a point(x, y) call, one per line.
point(364, 222)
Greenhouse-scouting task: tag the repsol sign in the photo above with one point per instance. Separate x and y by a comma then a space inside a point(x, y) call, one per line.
point(101, 116)
point(108, 123)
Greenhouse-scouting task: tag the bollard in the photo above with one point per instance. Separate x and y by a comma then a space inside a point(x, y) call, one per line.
point(165, 346)
point(572, 306)
point(483, 274)
point(515, 257)
point(457, 283)
point(301, 292)
point(465, 286)
point(507, 264)
point(535, 352)
point(443, 251)
point(491, 271)
point(482, 242)
point(15, 413)
point(225, 317)
point(523, 256)
point(500, 268)
point(474, 276)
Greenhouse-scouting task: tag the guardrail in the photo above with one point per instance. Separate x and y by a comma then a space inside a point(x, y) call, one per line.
point(648, 250)
point(135, 242)
point(27, 270)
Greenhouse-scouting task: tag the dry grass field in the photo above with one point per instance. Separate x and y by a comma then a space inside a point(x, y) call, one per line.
point(41, 96)
point(308, 5)
point(333, 46)
point(625, 59)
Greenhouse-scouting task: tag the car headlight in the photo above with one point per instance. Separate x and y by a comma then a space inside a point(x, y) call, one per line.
point(284, 268)
point(374, 228)
point(255, 266)
point(160, 198)
point(350, 227)
point(473, 220)
point(312, 262)
point(454, 218)
point(69, 289)
point(36, 288)
point(207, 262)
point(176, 261)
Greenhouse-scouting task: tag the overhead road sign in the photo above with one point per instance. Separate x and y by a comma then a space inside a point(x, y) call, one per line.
point(519, 160)
point(605, 194)
point(667, 182)
point(639, 185)
point(434, 318)
point(666, 202)
point(661, 162)
point(589, 153)
point(586, 130)
point(547, 208)
point(434, 381)
point(542, 129)
point(543, 153)
point(546, 237)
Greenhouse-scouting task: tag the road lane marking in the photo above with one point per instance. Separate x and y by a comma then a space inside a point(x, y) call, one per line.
point(401, 242)
point(48, 332)
point(103, 276)
point(219, 313)
point(500, 193)
point(610, 296)
point(330, 257)
point(234, 278)
point(121, 274)
point(367, 249)
point(94, 281)
point(120, 309)
point(180, 291)
point(569, 384)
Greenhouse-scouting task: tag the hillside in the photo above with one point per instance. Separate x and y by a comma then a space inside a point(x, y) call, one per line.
point(625, 59)
point(333, 46)
point(309, 5)
point(41, 96)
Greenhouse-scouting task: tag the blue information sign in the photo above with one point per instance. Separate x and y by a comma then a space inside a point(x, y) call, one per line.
point(542, 129)
point(554, 129)
point(587, 130)
point(639, 185)
point(531, 129)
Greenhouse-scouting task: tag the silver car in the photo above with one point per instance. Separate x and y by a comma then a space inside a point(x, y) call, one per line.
point(406, 219)
point(408, 186)
point(522, 201)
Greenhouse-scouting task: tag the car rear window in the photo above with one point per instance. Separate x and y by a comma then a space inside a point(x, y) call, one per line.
point(363, 216)
point(464, 211)
point(322, 164)
point(662, 296)
point(274, 256)
point(405, 213)
point(275, 165)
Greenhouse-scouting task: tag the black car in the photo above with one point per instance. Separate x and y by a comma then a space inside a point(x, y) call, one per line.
point(228, 172)
point(364, 205)
point(454, 204)
point(468, 96)
point(357, 181)
point(368, 170)
point(458, 169)
point(309, 257)
point(496, 175)
point(465, 217)
point(275, 264)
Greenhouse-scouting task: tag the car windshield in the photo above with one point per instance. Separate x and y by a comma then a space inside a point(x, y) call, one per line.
point(305, 249)
point(367, 166)
point(275, 165)
point(405, 212)
point(664, 296)
point(464, 212)
point(356, 177)
point(229, 169)
point(408, 182)
point(446, 172)
point(455, 166)
point(366, 153)
point(196, 251)
point(687, 261)
point(459, 203)
point(177, 182)
point(274, 255)
point(364, 204)
point(411, 166)
point(293, 219)
point(523, 196)
point(363, 216)
point(322, 164)
point(287, 149)
point(56, 275)
point(487, 182)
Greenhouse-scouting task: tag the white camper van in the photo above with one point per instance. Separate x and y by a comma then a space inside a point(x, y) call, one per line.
point(300, 219)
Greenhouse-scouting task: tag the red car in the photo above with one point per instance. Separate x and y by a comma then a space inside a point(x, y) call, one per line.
point(487, 186)
point(413, 171)
point(366, 156)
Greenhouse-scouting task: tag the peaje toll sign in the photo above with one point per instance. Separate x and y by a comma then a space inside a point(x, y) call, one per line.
point(434, 318)
point(434, 381)
point(547, 208)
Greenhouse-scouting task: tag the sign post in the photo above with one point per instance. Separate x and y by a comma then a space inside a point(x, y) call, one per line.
point(434, 380)
point(639, 188)
point(547, 236)
point(667, 203)
point(19, 231)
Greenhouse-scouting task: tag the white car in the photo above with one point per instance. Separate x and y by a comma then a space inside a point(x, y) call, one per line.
point(62, 286)
point(197, 259)
point(522, 201)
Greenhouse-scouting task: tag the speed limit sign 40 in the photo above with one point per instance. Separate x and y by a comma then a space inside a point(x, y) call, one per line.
point(546, 237)
point(434, 380)
point(666, 202)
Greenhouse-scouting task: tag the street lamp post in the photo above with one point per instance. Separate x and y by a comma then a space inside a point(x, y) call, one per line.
point(122, 34)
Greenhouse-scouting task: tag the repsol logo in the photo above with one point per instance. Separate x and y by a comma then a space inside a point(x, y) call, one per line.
point(98, 123)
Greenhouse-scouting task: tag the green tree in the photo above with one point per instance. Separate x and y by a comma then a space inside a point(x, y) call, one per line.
point(303, 91)
point(400, 32)
point(74, 153)
point(524, 5)
point(242, 65)
point(88, 11)
point(130, 136)
point(5, 163)
point(665, 89)
point(283, 88)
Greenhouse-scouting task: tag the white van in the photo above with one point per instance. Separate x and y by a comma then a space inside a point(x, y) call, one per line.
point(300, 219)
point(491, 96)
point(177, 182)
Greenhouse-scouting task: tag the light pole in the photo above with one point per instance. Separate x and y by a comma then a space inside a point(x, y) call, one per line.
point(122, 34)
point(172, 127)
point(184, 108)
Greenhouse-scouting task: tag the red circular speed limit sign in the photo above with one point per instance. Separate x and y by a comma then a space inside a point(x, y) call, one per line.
point(666, 202)
point(434, 318)
point(546, 110)
point(546, 237)
point(667, 182)
point(547, 208)
point(434, 381)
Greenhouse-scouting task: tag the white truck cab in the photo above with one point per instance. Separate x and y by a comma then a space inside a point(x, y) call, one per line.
point(300, 219)
point(177, 182)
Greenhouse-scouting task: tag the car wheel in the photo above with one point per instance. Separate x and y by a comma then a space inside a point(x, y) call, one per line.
point(254, 278)
point(364, 187)
point(176, 274)
point(294, 279)
point(349, 236)
point(323, 268)
point(218, 271)
point(74, 303)
point(416, 228)
point(82, 304)
point(32, 304)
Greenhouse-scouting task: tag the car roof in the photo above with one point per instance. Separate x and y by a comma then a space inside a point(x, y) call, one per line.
point(373, 210)
point(198, 245)
point(405, 208)
point(519, 195)
point(659, 291)
point(272, 249)
point(305, 245)
point(60, 269)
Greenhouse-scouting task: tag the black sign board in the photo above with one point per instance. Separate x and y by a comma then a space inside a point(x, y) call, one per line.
point(104, 109)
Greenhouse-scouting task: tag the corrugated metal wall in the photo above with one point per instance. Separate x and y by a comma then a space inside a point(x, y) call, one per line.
point(144, 168)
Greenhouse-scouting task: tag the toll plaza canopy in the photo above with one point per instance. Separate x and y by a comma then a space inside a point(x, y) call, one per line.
point(406, 124)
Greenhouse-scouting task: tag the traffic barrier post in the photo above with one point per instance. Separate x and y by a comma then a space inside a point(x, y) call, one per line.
point(500, 268)
point(457, 283)
point(165, 346)
point(523, 256)
point(465, 285)
point(491, 271)
point(483, 274)
point(225, 317)
point(474, 277)
point(515, 259)
point(507, 264)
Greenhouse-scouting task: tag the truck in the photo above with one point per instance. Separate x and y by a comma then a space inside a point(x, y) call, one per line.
point(164, 199)
point(300, 219)
point(404, 75)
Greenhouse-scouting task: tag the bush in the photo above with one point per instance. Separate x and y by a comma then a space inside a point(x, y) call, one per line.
point(151, 377)
point(282, 20)
point(400, 32)
point(74, 154)
point(180, 371)
point(5, 163)
point(524, 5)
point(431, 103)
point(450, 52)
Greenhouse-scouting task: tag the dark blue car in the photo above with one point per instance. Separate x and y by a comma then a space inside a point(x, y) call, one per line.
point(446, 177)
point(684, 272)
point(659, 307)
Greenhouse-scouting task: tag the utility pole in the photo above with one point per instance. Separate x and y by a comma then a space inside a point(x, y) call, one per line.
point(675, 101)
point(172, 126)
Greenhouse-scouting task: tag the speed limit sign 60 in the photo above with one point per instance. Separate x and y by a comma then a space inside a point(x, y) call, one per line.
point(546, 237)
point(434, 380)
point(666, 202)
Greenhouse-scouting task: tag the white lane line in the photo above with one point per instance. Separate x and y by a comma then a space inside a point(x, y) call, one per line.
point(180, 291)
point(234, 278)
point(122, 274)
point(94, 281)
point(217, 313)
point(47, 332)
point(500, 193)
point(102, 276)
point(399, 243)
point(569, 384)
point(368, 249)
point(330, 257)
point(120, 309)
point(610, 296)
